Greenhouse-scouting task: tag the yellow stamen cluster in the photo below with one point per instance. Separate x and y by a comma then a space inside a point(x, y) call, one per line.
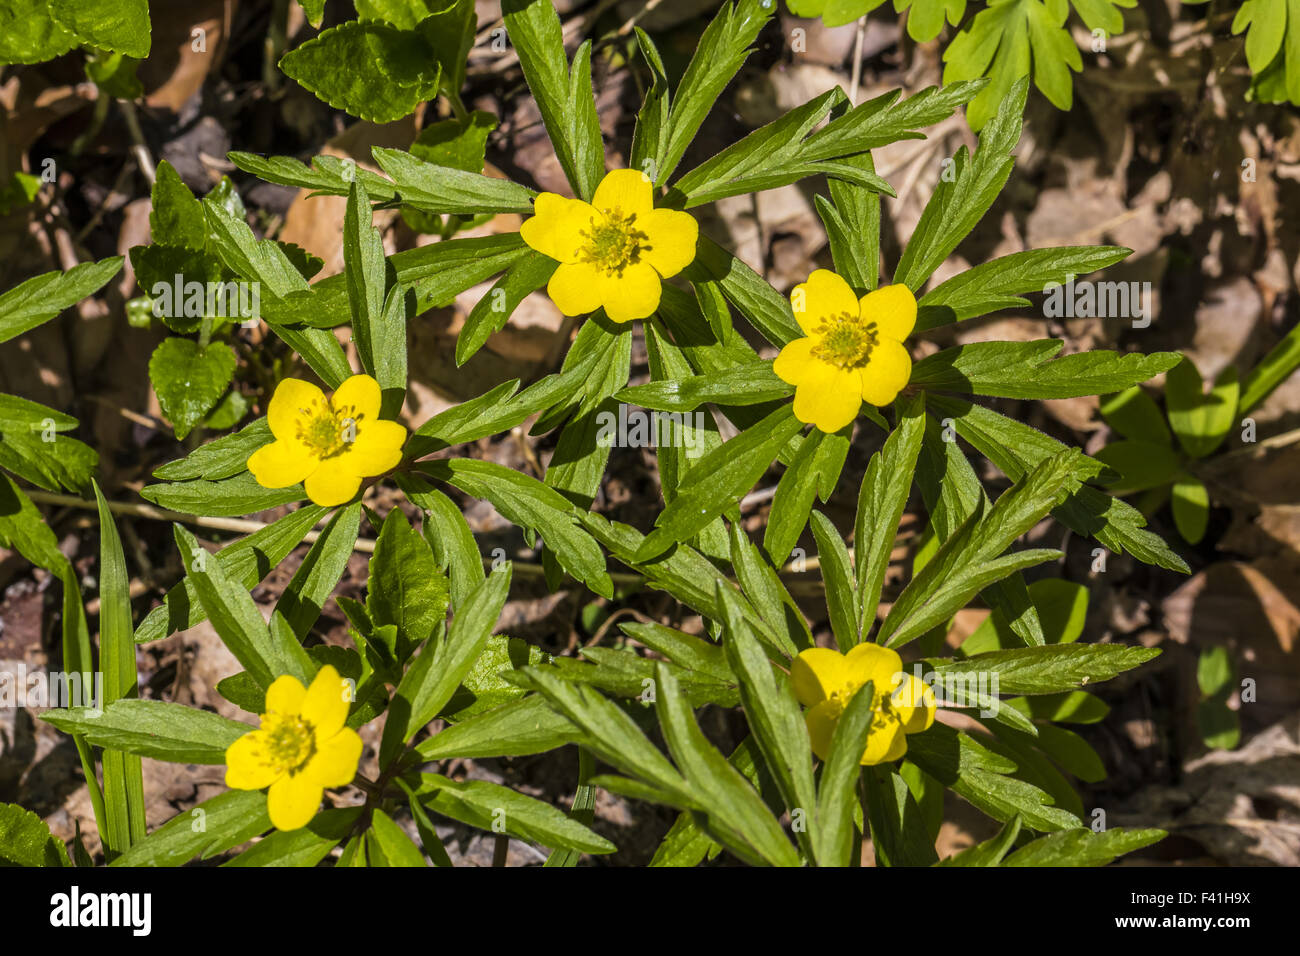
point(613, 243)
point(845, 341)
point(327, 430)
point(290, 741)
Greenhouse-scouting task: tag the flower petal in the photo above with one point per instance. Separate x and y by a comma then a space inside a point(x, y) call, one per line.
point(361, 395)
point(293, 800)
point(629, 191)
point(325, 705)
point(793, 364)
point(886, 373)
point(556, 226)
point(377, 449)
point(248, 767)
point(575, 288)
point(292, 398)
point(817, 673)
point(885, 742)
point(829, 398)
point(821, 721)
point(335, 762)
point(915, 704)
point(824, 294)
point(331, 485)
point(282, 463)
point(871, 662)
point(633, 295)
point(673, 237)
point(892, 308)
point(285, 696)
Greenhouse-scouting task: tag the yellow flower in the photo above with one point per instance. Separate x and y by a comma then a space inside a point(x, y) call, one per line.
point(614, 251)
point(301, 748)
point(853, 350)
point(328, 443)
point(825, 681)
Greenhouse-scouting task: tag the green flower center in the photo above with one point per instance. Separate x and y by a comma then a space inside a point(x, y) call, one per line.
point(290, 741)
point(845, 341)
point(326, 430)
point(882, 705)
point(613, 243)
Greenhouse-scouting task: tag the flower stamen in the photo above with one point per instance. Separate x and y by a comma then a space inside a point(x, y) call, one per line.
point(326, 430)
point(845, 341)
point(613, 243)
point(290, 741)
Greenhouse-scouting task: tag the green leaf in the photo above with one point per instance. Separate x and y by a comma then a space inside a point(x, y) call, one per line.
point(564, 98)
point(442, 189)
point(30, 34)
point(1134, 414)
point(491, 313)
point(1062, 608)
point(1190, 502)
point(959, 203)
point(266, 653)
point(236, 496)
point(881, 500)
point(448, 534)
point(222, 458)
point(719, 480)
point(42, 297)
point(124, 800)
point(301, 602)
point(519, 728)
point(1215, 674)
point(491, 807)
point(456, 143)
point(405, 587)
point(245, 561)
point(1027, 370)
point(1082, 847)
point(486, 685)
point(898, 832)
point(1200, 421)
point(430, 682)
point(153, 728)
point(175, 216)
point(991, 851)
point(1282, 359)
point(836, 793)
point(378, 324)
point(367, 68)
point(886, 119)
point(305, 846)
point(394, 847)
point(1052, 668)
point(842, 600)
point(209, 829)
point(1002, 283)
point(25, 839)
point(743, 385)
point(190, 379)
point(120, 26)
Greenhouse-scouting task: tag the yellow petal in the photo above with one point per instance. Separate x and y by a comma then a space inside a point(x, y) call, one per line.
point(335, 762)
point(292, 398)
point(885, 742)
point(629, 191)
point(892, 308)
point(673, 237)
point(794, 363)
point(817, 673)
point(331, 485)
point(360, 395)
point(886, 373)
point(377, 449)
point(824, 294)
point(325, 705)
point(871, 662)
point(821, 721)
point(555, 229)
point(293, 800)
point(247, 765)
point(575, 288)
point(285, 696)
point(829, 397)
point(915, 704)
point(282, 463)
point(633, 295)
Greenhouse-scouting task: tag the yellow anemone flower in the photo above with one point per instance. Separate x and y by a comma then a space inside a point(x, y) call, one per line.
point(328, 443)
point(301, 748)
point(853, 351)
point(614, 251)
point(825, 681)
